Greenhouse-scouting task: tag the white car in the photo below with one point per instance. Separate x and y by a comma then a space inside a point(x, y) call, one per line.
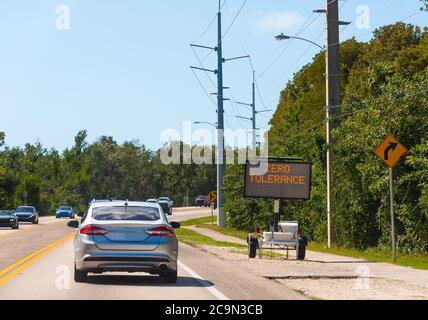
point(171, 203)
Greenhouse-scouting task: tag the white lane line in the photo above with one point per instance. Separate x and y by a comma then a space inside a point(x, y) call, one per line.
point(203, 282)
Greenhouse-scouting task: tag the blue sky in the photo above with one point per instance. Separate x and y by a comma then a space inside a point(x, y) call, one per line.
point(122, 69)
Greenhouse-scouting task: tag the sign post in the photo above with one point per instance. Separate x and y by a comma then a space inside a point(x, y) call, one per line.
point(277, 215)
point(391, 197)
point(390, 152)
point(212, 197)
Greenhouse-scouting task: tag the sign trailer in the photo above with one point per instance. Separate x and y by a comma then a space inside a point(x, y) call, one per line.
point(278, 178)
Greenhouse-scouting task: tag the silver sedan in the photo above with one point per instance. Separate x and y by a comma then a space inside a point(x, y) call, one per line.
point(122, 236)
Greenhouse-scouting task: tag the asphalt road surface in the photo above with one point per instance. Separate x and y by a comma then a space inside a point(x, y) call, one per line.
point(36, 262)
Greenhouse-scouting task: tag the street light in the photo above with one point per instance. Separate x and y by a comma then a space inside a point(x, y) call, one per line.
point(284, 37)
point(204, 122)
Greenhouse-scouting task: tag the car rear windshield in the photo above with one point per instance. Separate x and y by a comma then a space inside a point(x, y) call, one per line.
point(126, 213)
point(64, 208)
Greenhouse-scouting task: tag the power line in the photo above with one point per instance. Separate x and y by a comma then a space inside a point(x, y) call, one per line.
point(234, 19)
point(300, 57)
point(392, 96)
point(203, 88)
point(303, 28)
point(209, 25)
point(203, 67)
point(230, 25)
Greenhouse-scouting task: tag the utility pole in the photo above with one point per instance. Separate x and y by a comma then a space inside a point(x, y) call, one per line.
point(253, 119)
point(254, 112)
point(220, 125)
point(333, 105)
point(220, 113)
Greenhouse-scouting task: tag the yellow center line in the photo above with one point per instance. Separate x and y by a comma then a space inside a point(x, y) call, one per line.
point(9, 272)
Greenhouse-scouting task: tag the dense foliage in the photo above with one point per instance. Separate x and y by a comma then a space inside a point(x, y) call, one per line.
point(384, 88)
point(102, 170)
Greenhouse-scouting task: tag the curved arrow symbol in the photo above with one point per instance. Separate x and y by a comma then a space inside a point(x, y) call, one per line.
point(392, 146)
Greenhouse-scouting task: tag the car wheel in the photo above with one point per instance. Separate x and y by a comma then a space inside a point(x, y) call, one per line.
point(80, 276)
point(36, 221)
point(16, 227)
point(170, 277)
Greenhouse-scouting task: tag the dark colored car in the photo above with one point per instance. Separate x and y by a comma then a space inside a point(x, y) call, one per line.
point(202, 201)
point(27, 214)
point(8, 219)
point(166, 208)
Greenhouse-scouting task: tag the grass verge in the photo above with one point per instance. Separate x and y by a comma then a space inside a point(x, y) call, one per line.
point(226, 231)
point(407, 260)
point(193, 238)
point(206, 223)
point(197, 221)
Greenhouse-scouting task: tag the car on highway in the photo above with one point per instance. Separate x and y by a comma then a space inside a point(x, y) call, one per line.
point(171, 203)
point(8, 219)
point(27, 214)
point(65, 212)
point(202, 201)
point(122, 236)
point(167, 209)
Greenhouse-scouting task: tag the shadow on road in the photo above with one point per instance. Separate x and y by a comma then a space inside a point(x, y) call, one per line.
point(341, 261)
point(144, 281)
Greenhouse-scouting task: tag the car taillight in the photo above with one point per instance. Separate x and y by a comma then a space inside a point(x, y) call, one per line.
point(93, 231)
point(160, 232)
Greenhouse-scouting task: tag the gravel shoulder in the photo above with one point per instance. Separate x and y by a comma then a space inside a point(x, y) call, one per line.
point(327, 276)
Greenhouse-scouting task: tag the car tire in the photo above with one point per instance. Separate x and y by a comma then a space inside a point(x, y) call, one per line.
point(80, 276)
point(170, 276)
point(16, 227)
point(36, 221)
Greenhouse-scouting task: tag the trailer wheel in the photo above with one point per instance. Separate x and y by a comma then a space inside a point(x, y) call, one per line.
point(252, 246)
point(301, 252)
point(301, 248)
point(252, 250)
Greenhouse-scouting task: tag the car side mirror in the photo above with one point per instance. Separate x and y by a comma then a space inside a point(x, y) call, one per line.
point(80, 214)
point(73, 224)
point(175, 225)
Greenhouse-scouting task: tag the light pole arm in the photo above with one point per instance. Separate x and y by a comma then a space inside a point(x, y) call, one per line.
point(203, 122)
point(283, 37)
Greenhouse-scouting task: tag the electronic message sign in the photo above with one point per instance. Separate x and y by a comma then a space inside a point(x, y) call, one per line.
point(278, 180)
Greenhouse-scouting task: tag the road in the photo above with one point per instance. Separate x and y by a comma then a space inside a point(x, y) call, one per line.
point(36, 262)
